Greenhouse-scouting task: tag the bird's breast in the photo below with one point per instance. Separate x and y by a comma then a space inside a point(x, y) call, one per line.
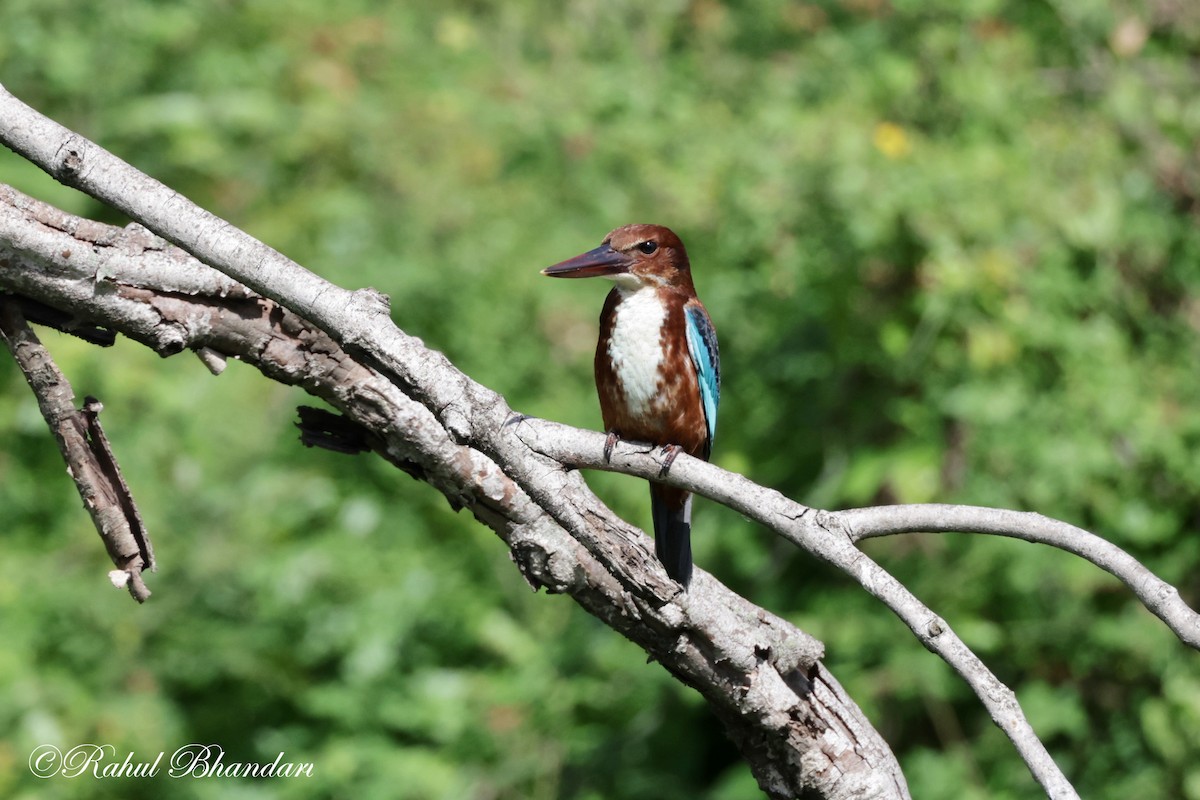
point(635, 349)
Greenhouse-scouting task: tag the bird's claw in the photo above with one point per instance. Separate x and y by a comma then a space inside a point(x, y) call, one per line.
point(610, 441)
point(670, 453)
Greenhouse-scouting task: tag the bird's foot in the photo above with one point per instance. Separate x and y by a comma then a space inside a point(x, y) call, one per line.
point(670, 453)
point(610, 442)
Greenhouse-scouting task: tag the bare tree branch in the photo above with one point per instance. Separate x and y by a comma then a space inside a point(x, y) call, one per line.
point(762, 676)
point(822, 534)
point(579, 449)
point(85, 448)
point(1160, 598)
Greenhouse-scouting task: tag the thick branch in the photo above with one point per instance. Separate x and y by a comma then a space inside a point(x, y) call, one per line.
point(822, 534)
point(761, 675)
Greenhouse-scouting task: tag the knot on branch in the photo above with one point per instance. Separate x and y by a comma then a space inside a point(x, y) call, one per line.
point(70, 162)
point(543, 565)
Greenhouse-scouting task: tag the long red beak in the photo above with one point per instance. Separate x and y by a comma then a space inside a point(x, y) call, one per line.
point(601, 261)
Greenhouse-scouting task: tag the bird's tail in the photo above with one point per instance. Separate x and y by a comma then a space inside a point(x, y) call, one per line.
point(672, 512)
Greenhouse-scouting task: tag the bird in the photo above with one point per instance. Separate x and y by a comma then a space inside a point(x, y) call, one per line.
point(658, 369)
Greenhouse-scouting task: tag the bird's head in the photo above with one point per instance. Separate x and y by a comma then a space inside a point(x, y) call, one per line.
point(633, 256)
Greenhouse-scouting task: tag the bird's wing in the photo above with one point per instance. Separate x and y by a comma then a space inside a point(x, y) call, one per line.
point(702, 344)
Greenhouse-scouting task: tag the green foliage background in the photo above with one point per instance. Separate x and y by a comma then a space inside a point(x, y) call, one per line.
point(952, 253)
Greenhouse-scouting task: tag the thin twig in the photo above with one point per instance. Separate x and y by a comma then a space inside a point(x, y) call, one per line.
point(85, 448)
point(1160, 598)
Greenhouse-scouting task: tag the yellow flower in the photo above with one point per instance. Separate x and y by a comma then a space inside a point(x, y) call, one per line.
point(891, 140)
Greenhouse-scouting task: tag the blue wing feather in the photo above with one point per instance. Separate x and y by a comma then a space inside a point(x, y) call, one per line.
point(702, 345)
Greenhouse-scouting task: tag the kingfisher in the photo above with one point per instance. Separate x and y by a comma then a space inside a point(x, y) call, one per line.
point(658, 372)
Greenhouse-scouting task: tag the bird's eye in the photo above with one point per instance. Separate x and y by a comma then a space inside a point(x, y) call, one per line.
point(648, 247)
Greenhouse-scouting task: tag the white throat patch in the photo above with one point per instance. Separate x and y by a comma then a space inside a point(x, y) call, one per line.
point(635, 347)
